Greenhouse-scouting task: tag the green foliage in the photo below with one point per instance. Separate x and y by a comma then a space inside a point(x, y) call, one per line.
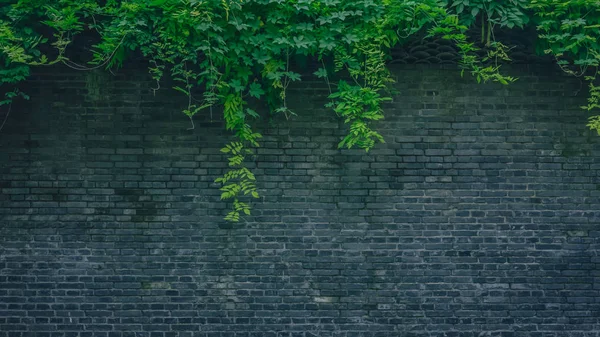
point(238, 181)
point(491, 13)
point(233, 53)
point(570, 31)
point(450, 28)
point(360, 101)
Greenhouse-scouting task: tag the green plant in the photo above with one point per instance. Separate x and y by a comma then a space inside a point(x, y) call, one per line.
point(236, 53)
point(451, 29)
point(491, 13)
point(570, 31)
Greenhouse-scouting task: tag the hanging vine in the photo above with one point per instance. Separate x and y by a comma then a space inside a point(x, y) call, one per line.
point(237, 52)
point(570, 31)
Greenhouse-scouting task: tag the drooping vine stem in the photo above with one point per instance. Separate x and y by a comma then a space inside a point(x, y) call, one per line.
point(235, 52)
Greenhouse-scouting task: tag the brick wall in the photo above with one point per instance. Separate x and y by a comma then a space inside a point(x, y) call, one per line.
point(478, 217)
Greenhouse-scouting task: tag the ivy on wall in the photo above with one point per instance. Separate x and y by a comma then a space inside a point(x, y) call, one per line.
point(570, 31)
point(236, 52)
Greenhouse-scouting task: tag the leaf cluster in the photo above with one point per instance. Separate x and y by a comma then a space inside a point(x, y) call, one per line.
point(233, 53)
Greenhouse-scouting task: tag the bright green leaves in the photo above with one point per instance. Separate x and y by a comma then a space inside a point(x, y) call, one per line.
point(491, 13)
point(450, 28)
point(238, 181)
point(18, 51)
point(236, 118)
point(594, 123)
point(594, 99)
point(64, 18)
point(593, 103)
point(363, 58)
point(357, 105)
point(256, 90)
point(404, 18)
point(233, 111)
point(360, 102)
point(321, 73)
point(570, 31)
point(16, 48)
point(238, 207)
point(231, 53)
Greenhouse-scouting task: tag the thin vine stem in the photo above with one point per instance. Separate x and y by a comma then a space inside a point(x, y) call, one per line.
point(6, 116)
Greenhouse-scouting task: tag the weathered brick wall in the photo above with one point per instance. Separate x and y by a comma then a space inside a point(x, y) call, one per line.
point(478, 217)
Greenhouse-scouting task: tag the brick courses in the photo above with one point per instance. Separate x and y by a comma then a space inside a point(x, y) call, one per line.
point(478, 217)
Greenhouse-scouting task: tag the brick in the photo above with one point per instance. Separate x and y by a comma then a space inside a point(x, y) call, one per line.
point(473, 217)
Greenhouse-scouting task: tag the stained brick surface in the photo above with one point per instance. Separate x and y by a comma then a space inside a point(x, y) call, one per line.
point(479, 216)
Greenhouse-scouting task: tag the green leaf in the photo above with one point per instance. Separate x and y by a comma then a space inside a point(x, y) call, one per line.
point(327, 44)
point(321, 73)
point(237, 85)
point(180, 89)
point(256, 90)
point(293, 76)
point(252, 113)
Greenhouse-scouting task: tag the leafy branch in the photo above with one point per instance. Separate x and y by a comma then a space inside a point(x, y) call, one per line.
point(237, 53)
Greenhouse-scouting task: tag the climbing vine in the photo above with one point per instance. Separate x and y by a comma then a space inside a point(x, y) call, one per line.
point(236, 53)
point(570, 31)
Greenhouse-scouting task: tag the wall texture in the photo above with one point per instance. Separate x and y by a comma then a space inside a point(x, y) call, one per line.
point(478, 217)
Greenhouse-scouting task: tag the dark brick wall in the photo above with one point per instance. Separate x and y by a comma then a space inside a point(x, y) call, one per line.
point(478, 217)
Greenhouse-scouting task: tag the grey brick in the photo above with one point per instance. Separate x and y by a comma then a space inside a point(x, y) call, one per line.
point(474, 218)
